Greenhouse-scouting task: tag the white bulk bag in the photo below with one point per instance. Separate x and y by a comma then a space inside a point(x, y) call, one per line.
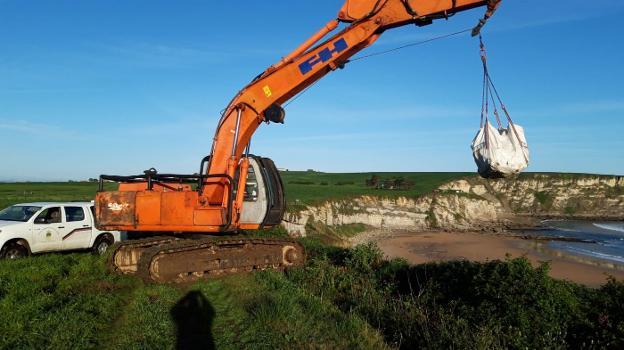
point(500, 152)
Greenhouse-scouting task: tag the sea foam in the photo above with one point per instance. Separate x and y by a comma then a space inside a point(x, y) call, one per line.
point(596, 254)
point(611, 227)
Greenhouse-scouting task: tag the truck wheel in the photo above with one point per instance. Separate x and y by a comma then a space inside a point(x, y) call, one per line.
point(13, 251)
point(102, 244)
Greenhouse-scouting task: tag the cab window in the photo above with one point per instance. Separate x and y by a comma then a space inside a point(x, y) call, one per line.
point(74, 214)
point(49, 216)
point(251, 187)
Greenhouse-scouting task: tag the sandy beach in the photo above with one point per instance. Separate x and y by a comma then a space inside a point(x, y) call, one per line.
point(420, 248)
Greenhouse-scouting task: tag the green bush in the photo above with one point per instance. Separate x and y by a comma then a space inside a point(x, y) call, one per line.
point(616, 191)
point(544, 198)
point(602, 325)
point(301, 182)
point(500, 304)
point(341, 298)
point(365, 258)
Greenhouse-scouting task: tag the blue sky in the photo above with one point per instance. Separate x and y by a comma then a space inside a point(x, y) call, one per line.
point(91, 87)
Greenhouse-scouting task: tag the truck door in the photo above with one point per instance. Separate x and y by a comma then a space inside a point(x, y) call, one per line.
point(77, 230)
point(46, 228)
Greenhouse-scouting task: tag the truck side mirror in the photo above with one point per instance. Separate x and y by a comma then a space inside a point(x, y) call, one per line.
point(40, 221)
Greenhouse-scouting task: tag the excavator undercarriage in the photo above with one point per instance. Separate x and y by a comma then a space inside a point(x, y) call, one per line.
point(175, 259)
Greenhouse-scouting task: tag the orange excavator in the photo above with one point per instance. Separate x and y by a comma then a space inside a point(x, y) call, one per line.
point(200, 217)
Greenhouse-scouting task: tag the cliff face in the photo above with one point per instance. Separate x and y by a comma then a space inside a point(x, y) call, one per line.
point(544, 195)
point(476, 204)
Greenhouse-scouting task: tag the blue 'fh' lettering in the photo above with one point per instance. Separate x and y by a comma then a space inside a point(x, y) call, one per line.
point(323, 56)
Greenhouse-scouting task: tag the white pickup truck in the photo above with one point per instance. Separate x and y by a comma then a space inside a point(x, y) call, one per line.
point(32, 228)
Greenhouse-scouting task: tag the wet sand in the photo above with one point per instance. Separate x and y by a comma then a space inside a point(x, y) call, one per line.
point(420, 248)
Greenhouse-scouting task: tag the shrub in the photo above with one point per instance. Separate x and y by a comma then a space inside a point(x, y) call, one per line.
point(602, 324)
point(543, 198)
point(365, 258)
point(301, 182)
point(500, 304)
point(616, 191)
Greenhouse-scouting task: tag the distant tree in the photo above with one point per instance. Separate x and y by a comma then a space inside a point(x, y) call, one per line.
point(373, 181)
point(401, 183)
point(408, 184)
point(398, 183)
point(387, 184)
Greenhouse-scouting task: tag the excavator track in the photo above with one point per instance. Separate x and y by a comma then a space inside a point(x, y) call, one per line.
point(167, 259)
point(188, 261)
point(124, 257)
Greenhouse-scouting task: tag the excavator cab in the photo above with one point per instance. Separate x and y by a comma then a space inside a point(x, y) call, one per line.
point(263, 201)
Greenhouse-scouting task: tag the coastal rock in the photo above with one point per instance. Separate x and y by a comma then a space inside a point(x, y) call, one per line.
point(475, 204)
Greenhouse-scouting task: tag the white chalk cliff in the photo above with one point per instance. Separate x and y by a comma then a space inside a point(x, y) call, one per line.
point(475, 204)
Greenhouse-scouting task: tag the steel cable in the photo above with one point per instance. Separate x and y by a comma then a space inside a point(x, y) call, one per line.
point(385, 52)
point(410, 45)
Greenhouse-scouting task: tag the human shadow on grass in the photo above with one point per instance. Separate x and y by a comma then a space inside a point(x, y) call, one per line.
point(193, 317)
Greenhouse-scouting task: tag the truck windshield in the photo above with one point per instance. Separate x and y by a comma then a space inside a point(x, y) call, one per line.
point(18, 213)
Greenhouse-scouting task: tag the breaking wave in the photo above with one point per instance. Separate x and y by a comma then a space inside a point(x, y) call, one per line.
point(611, 227)
point(596, 254)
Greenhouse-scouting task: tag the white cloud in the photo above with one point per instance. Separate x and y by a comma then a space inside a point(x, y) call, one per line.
point(386, 113)
point(164, 55)
point(27, 127)
point(503, 27)
point(616, 107)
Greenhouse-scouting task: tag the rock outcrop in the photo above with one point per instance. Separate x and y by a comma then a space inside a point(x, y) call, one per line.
point(476, 204)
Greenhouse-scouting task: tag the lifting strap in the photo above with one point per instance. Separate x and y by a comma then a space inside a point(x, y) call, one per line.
point(489, 94)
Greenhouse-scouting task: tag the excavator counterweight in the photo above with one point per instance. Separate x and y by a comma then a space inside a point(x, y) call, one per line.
point(233, 190)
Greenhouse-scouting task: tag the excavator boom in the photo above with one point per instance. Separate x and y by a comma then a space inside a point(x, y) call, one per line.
point(235, 190)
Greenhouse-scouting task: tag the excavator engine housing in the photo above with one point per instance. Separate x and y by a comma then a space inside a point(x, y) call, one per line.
point(167, 202)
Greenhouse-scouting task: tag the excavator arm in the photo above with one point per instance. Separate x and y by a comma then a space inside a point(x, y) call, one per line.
point(261, 100)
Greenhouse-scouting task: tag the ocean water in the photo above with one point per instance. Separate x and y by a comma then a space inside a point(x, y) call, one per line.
point(608, 238)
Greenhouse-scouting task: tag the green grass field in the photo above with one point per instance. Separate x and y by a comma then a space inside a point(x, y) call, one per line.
point(21, 192)
point(341, 298)
point(318, 187)
point(303, 187)
point(69, 301)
